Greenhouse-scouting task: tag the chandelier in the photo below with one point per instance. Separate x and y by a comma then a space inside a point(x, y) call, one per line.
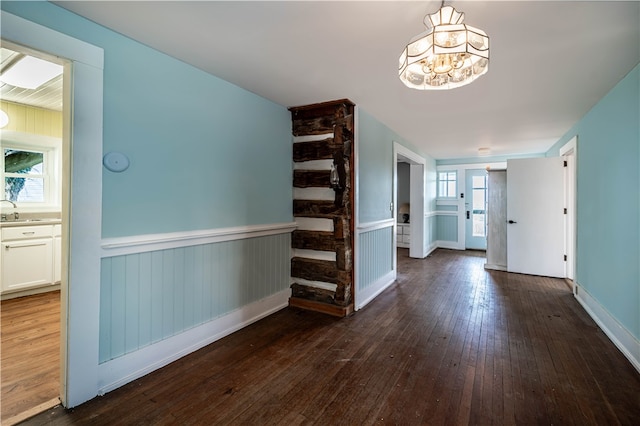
point(449, 54)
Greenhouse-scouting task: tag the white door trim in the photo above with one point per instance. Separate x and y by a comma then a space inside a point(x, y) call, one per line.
point(80, 298)
point(417, 247)
point(570, 152)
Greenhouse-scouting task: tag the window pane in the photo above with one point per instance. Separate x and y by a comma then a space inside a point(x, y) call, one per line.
point(24, 190)
point(478, 181)
point(28, 162)
point(451, 189)
point(478, 199)
point(478, 225)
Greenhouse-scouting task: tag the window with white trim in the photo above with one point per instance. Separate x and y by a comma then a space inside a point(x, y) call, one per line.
point(27, 175)
point(447, 184)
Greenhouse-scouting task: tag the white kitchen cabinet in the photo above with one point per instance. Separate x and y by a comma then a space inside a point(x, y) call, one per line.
point(403, 236)
point(27, 257)
point(57, 253)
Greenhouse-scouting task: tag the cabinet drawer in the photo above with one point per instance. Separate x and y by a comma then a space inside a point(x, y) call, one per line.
point(26, 232)
point(406, 239)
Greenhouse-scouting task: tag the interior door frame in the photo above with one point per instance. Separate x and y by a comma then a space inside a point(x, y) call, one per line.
point(417, 182)
point(570, 152)
point(468, 191)
point(82, 193)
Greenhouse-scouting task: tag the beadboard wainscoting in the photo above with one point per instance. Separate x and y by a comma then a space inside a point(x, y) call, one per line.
point(163, 296)
point(375, 268)
point(447, 229)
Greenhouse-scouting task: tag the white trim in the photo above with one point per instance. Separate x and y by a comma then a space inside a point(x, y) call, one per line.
point(122, 370)
point(628, 344)
point(448, 202)
point(569, 146)
point(82, 200)
point(500, 165)
point(452, 245)
point(152, 242)
point(446, 213)
point(374, 289)
point(417, 202)
point(431, 213)
point(373, 226)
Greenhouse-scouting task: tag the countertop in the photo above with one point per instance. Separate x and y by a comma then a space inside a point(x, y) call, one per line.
point(30, 222)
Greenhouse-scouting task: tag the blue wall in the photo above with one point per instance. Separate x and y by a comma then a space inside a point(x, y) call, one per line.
point(608, 210)
point(375, 167)
point(204, 153)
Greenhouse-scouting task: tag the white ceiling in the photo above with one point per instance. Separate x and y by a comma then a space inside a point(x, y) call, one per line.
point(48, 96)
point(551, 61)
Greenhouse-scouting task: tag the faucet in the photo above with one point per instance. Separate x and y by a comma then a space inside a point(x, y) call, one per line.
point(15, 214)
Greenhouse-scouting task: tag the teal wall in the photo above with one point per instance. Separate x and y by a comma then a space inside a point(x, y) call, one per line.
point(608, 201)
point(375, 167)
point(204, 153)
point(447, 228)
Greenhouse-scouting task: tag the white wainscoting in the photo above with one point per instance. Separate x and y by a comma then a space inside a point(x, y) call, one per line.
point(375, 269)
point(163, 296)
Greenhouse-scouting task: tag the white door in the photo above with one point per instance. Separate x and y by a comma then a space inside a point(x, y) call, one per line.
point(535, 216)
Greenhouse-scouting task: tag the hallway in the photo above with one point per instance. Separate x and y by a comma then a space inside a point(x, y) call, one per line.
point(449, 343)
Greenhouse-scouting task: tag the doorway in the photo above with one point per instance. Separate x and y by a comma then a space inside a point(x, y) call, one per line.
point(476, 210)
point(569, 153)
point(32, 313)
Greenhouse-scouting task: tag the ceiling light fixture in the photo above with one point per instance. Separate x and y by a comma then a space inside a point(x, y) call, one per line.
point(449, 54)
point(31, 73)
point(4, 119)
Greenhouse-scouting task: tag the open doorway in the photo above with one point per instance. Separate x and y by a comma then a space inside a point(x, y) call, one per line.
point(33, 147)
point(409, 213)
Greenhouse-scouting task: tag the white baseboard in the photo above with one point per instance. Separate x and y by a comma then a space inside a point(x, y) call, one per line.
point(122, 370)
point(431, 249)
point(452, 245)
point(628, 344)
point(367, 295)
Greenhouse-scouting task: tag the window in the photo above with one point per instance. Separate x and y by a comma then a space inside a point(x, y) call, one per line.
point(447, 184)
point(479, 202)
point(26, 175)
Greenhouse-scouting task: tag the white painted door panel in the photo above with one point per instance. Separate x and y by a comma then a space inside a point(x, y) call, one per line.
point(535, 203)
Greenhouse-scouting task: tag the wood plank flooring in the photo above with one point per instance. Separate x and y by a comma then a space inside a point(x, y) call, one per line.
point(29, 352)
point(449, 343)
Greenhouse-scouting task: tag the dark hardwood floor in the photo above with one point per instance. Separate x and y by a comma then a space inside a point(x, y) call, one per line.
point(449, 343)
point(29, 353)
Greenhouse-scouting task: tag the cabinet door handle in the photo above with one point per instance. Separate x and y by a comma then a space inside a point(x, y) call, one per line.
point(28, 233)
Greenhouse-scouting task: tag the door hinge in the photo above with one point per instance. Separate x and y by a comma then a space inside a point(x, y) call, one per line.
point(565, 163)
point(565, 257)
point(565, 210)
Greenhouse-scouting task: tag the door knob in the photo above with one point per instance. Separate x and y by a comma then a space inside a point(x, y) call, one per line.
point(468, 217)
point(512, 221)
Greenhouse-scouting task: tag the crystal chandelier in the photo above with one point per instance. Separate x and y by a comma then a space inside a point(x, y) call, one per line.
point(449, 54)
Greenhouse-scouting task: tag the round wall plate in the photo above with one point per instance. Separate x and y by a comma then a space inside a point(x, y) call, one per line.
point(115, 161)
